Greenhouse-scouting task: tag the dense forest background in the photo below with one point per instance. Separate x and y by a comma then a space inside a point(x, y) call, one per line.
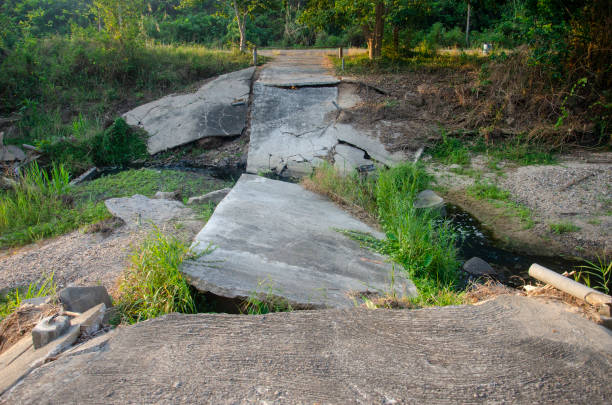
point(67, 67)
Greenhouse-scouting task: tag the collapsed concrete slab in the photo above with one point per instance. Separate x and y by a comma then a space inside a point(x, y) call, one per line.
point(140, 210)
point(508, 350)
point(295, 130)
point(219, 108)
point(273, 236)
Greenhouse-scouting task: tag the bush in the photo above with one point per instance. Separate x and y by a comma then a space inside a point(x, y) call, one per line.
point(118, 145)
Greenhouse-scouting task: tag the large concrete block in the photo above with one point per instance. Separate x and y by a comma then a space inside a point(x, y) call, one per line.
point(49, 329)
point(80, 299)
point(274, 236)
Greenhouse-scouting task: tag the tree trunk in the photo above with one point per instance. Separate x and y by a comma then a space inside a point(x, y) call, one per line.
point(396, 39)
point(467, 26)
point(379, 28)
point(241, 19)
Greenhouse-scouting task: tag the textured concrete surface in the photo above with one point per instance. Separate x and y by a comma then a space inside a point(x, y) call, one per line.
point(179, 119)
point(273, 235)
point(298, 68)
point(295, 127)
point(509, 350)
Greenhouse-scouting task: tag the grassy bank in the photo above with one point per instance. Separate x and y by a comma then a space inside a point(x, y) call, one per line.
point(420, 241)
point(65, 91)
point(44, 204)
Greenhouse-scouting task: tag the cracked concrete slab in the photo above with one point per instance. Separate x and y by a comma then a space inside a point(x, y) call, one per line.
point(510, 350)
point(274, 235)
point(182, 118)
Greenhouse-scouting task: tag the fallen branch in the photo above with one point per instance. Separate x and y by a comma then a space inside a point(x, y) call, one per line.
point(576, 181)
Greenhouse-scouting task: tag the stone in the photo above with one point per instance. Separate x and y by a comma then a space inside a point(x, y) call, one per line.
point(7, 183)
point(213, 197)
point(80, 299)
point(510, 349)
point(90, 321)
point(273, 235)
point(478, 267)
point(90, 174)
point(427, 199)
point(167, 195)
point(49, 328)
point(183, 118)
point(139, 210)
point(10, 153)
point(36, 301)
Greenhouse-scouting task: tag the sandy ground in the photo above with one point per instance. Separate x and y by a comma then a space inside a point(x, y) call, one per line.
point(78, 258)
point(577, 191)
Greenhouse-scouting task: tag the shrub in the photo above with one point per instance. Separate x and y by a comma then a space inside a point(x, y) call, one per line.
point(118, 145)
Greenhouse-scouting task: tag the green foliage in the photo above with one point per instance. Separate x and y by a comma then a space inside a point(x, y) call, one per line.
point(563, 227)
point(14, 299)
point(485, 190)
point(419, 240)
point(122, 18)
point(270, 300)
point(597, 275)
point(451, 150)
point(118, 145)
point(40, 206)
point(153, 285)
point(146, 182)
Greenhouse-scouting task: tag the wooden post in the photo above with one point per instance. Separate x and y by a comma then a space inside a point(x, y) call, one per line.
point(255, 56)
point(569, 286)
point(340, 54)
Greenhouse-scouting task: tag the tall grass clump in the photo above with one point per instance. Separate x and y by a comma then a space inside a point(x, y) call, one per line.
point(419, 240)
point(153, 285)
point(40, 206)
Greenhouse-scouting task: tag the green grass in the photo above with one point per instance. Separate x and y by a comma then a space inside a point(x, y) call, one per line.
point(563, 227)
point(451, 150)
point(416, 61)
point(153, 285)
point(270, 300)
point(64, 89)
point(418, 240)
point(41, 206)
point(44, 204)
point(597, 275)
point(147, 182)
point(14, 299)
point(485, 190)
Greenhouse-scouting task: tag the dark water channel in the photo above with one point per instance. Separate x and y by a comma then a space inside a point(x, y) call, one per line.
point(476, 240)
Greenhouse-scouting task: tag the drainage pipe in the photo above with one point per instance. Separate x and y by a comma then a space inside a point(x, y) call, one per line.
point(569, 286)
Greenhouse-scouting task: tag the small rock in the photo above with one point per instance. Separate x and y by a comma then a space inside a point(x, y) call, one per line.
point(478, 267)
point(139, 210)
point(167, 195)
point(212, 197)
point(80, 299)
point(427, 199)
point(7, 183)
point(11, 153)
point(36, 301)
point(455, 166)
point(49, 329)
point(88, 175)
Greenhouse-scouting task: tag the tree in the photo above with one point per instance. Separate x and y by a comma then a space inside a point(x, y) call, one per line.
point(367, 14)
point(122, 18)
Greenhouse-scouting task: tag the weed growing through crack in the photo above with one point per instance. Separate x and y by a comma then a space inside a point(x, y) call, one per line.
point(271, 300)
